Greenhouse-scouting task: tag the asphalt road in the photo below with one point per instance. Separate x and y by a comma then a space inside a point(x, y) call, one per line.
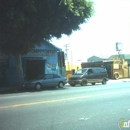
point(98, 107)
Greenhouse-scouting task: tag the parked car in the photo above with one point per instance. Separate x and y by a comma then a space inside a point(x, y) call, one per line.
point(46, 80)
point(89, 75)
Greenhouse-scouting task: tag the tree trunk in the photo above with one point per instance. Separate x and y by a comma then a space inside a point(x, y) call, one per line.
point(19, 69)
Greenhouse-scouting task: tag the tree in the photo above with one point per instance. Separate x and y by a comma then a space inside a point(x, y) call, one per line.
point(25, 23)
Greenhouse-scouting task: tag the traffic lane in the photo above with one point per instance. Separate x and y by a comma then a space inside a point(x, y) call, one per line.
point(67, 92)
point(83, 113)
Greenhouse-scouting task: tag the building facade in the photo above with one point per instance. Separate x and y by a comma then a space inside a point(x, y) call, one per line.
point(46, 58)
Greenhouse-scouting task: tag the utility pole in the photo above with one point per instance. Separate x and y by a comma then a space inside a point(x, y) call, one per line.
point(71, 61)
point(66, 51)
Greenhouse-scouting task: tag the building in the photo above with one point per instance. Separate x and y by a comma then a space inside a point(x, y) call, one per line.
point(46, 58)
point(126, 57)
point(96, 59)
point(118, 66)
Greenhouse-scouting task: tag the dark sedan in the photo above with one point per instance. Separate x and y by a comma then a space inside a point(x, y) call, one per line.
point(46, 80)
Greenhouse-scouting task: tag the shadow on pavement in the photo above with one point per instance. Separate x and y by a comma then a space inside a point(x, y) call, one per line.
point(23, 90)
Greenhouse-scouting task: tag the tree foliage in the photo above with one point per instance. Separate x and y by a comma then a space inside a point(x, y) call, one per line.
point(25, 23)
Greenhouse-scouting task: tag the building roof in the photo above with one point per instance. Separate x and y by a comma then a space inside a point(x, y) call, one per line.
point(94, 57)
point(124, 56)
point(53, 46)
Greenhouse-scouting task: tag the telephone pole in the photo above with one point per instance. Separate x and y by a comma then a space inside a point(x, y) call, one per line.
point(66, 51)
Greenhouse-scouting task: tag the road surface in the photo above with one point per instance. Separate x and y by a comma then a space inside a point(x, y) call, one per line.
point(97, 107)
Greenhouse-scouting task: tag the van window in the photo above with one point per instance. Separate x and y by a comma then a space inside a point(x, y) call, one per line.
point(102, 70)
point(81, 71)
point(97, 71)
point(90, 71)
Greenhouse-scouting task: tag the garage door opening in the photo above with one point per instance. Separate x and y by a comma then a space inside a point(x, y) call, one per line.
point(34, 68)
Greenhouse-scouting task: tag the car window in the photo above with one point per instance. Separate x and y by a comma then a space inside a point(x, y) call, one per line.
point(97, 70)
point(48, 76)
point(40, 76)
point(102, 70)
point(90, 71)
point(81, 71)
point(56, 76)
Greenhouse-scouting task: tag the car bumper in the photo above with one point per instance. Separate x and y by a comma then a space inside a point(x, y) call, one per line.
point(28, 86)
point(74, 81)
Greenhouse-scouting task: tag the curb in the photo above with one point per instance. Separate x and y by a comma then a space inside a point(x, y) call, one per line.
point(8, 89)
point(16, 89)
point(112, 81)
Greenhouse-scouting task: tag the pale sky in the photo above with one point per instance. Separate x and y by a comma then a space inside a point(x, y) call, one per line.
point(110, 24)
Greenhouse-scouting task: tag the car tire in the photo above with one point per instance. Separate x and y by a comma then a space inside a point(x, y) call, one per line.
point(72, 85)
point(83, 83)
point(38, 86)
point(116, 76)
point(93, 83)
point(60, 84)
point(104, 81)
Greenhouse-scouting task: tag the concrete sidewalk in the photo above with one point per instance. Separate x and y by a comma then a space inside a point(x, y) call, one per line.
point(119, 80)
point(10, 89)
point(7, 89)
point(115, 81)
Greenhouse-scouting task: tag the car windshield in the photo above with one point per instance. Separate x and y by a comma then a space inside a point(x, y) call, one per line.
point(81, 71)
point(40, 76)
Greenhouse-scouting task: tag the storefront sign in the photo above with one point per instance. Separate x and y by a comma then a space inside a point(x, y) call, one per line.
point(41, 52)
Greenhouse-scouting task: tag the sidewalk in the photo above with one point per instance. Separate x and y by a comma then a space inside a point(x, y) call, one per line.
point(15, 88)
point(119, 80)
point(115, 81)
point(7, 89)
point(126, 80)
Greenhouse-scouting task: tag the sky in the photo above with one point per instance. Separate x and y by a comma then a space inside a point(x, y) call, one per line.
point(98, 36)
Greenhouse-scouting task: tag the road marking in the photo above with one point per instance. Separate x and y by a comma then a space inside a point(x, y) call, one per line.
point(63, 99)
point(83, 119)
point(86, 119)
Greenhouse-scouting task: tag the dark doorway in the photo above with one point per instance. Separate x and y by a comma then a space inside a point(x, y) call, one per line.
point(34, 68)
point(3, 77)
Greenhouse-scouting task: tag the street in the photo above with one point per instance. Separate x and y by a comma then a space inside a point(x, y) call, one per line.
point(92, 107)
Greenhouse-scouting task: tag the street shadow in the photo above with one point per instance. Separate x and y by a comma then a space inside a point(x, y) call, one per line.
point(88, 85)
point(23, 90)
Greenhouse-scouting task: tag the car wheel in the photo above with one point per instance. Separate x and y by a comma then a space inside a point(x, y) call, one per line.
point(116, 76)
point(84, 83)
point(104, 81)
point(72, 85)
point(38, 86)
point(93, 83)
point(61, 85)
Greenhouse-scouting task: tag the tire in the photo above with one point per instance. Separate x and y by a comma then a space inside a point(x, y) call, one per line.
point(104, 81)
point(38, 86)
point(84, 83)
point(116, 76)
point(72, 85)
point(60, 84)
point(93, 83)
